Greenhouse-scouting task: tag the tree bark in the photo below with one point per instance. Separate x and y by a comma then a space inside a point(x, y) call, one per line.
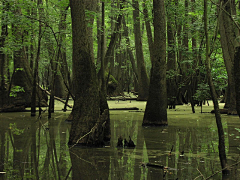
point(102, 81)
point(88, 126)
point(237, 78)
point(156, 108)
point(228, 43)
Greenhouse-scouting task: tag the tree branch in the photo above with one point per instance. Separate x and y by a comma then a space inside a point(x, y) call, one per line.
point(222, 8)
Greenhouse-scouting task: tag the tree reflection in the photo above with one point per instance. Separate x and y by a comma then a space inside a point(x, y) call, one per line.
point(193, 151)
point(90, 163)
point(2, 153)
point(34, 149)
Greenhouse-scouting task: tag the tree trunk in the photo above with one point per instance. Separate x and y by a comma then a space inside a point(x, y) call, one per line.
point(4, 34)
point(88, 126)
point(179, 50)
point(143, 80)
point(102, 81)
point(61, 78)
point(99, 34)
point(237, 78)
point(35, 74)
point(156, 108)
point(130, 54)
point(112, 43)
point(228, 36)
point(148, 28)
point(221, 146)
point(172, 89)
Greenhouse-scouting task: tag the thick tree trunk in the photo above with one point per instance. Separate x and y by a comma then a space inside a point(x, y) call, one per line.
point(156, 108)
point(88, 126)
point(91, 5)
point(143, 80)
point(237, 78)
point(228, 35)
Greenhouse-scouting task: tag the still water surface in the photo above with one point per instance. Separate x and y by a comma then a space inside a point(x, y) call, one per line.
point(32, 148)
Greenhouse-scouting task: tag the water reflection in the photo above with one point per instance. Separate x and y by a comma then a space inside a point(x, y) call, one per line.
point(90, 163)
point(33, 148)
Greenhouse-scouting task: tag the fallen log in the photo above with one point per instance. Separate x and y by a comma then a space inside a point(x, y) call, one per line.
point(55, 97)
point(127, 108)
point(225, 111)
point(122, 98)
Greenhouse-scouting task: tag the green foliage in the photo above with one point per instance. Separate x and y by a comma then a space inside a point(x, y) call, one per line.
point(202, 93)
point(219, 72)
point(171, 74)
point(15, 90)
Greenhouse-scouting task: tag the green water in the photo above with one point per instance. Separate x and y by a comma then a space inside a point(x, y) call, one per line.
point(32, 148)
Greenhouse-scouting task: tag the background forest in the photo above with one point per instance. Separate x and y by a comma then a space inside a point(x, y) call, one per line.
point(36, 41)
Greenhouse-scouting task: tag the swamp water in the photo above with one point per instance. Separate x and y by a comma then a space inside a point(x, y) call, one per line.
point(37, 149)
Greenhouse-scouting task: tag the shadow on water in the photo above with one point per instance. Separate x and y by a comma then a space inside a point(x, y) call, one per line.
point(186, 149)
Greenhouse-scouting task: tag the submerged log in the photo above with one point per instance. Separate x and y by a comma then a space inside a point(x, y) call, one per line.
point(127, 108)
point(122, 98)
point(226, 111)
point(153, 165)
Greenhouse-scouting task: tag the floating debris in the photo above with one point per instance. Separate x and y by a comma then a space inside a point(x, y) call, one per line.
point(182, 154)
